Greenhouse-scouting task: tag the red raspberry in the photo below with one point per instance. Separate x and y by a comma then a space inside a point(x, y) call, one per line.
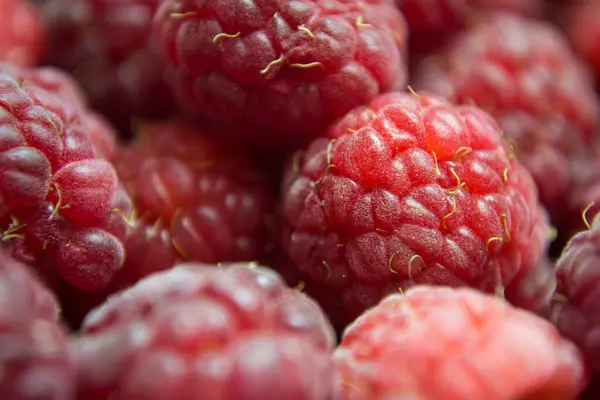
point(441, 343)
point(22, 39)
point(34, 360)
point(577, 309)
point(198, 331)
point(284, 68)
point(195, 199)
point(432, 22)
point(105, 45)
point(55, 196)
point(412, 190)
point(582, 26)
point(524, 73)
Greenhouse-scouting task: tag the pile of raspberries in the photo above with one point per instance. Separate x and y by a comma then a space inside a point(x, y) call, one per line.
point(299, 200)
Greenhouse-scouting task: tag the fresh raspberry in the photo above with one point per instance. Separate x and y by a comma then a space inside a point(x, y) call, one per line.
point(55, 196)
point(582, 26)
point(442, 343)
point(433, 22)
point(194, 199)
point(34, 360)
point(577, 308)
point(284, 68)
point(22, 39)
point(412, 190)
point(523, 73)
point(106, 46)
point(199, 331)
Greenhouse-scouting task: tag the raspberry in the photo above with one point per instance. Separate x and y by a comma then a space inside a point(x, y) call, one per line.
point(194, 198)
point(34, 360)
point(583, 29)
point(55, 196)
point(199, 331)
point(444, 343)
point(412, 190)
point(524, 73)
point(576, 310)
point(22, 39)
point(105, 45)
point(432, 22)
point(284, 68)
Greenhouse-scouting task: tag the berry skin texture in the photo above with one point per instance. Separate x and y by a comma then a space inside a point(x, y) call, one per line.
point(194, 199)
point(35, 362)
point(281, 70)
point(199, 331)
point(55, 195)
point(455, 344)
point(524, 73)
point(106, 46)
point(412, 190)
point(22, 39)
point(576, 309)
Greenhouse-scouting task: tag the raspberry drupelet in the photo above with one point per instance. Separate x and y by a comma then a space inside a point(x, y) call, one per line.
point(22, 39)
point(281, 70)
point(56, 196)
point(35, 361)
point(577, 302)
point(204, 331)
point(194, 199)
point(107, 47)
point(524, 73)
point(412, 190)
point(455, 344)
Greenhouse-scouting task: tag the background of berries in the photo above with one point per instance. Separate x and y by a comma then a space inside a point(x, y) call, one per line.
point(299, 199)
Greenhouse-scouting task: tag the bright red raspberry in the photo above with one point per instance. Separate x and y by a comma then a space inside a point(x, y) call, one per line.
point(34, 360)
point(577, 308)
point(433, 22)
point(55, 195)
point(524, 73)
point(194, 199)
point(582, 26)
point(22, 39)
point(455, 344)
point(412, 190)
point(284, 68)
point(106, 45)
point(199, 331)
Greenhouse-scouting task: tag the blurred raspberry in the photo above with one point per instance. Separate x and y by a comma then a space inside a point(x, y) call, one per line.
point(577, 308)
point(582, 25)
point(34, 360)
point(454, 344)
point(433, 22)
point(55, 195)
point(524, 73)
point(280, 70)
point(106, 46)
point(412, 190)
point(200, 331)
point(22, 39)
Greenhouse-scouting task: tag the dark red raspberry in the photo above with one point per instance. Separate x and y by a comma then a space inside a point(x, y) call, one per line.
point(433, 22)
point(34, 360)
point(200, 331)
point(106, 46)
point(22, 39)
point(55, 196)
point(412, 190)
point(577, 308)
point(455, 344)
point(582, 25)
point(524, 73)
point(284, 68)
point(194, 199)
